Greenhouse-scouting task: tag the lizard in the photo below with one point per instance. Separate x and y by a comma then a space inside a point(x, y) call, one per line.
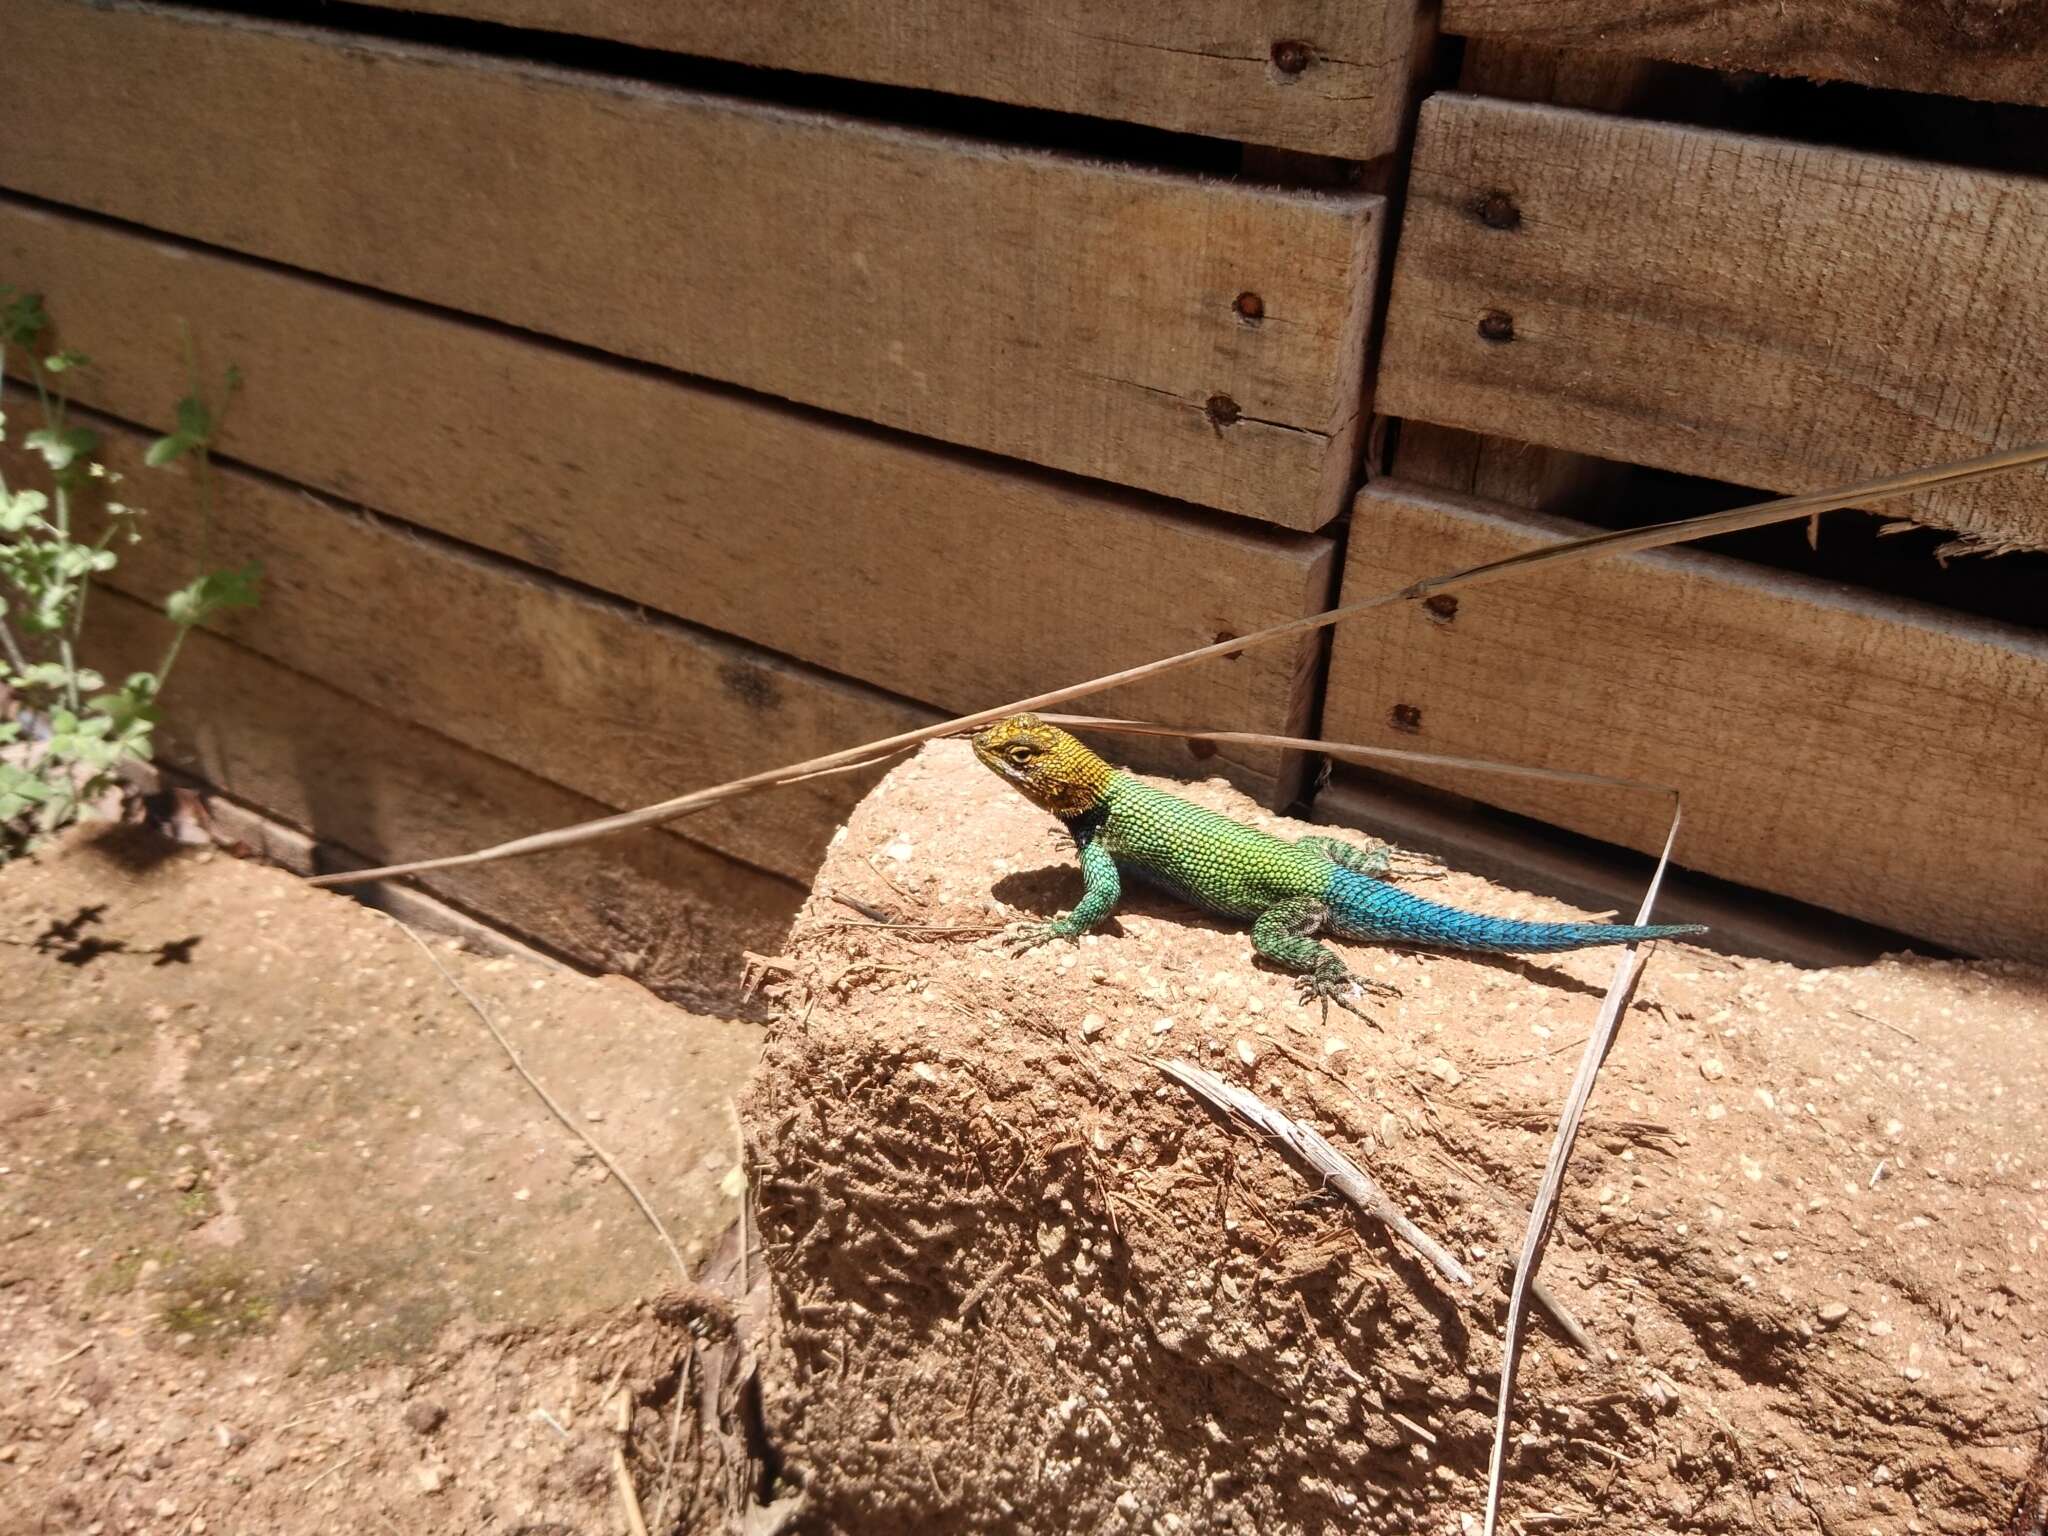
point(1288, 891)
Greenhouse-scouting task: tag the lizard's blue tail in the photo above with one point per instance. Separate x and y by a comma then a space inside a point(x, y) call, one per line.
point(1364, 908)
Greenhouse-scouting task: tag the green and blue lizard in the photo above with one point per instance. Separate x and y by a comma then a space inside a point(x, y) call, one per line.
point(1287, 891)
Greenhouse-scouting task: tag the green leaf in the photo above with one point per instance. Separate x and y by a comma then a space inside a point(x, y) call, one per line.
point(132, 706)
point(198, 601)
point(167, 449)
point(69, 358)
point(19, 790)
point(22, 317)
point(61, 447)
point(74, 560)
point(195, 421)
point(19, 510)
point(42, 674)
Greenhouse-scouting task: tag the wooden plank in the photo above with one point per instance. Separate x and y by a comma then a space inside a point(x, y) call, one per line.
point(936, 575)
point(1595, 82)
point(1768, 313)
point(1877, 757)
point(1326, 76)
point(602, 699)
point(1987, 52)
point(651, 905)
point(1069, 313)
point(1524, 475)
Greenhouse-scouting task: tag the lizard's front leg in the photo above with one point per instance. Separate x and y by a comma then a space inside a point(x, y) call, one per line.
point(1283, 934)
point(1098, 900)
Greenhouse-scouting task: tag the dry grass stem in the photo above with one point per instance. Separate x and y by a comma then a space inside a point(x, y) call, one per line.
point(1628, 968)
point(1344, 1176)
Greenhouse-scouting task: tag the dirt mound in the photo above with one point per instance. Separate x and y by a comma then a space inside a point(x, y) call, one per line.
point(1022, 1282)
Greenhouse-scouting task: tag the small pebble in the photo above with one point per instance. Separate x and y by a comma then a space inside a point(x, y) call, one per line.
point(423, 1418)
point(1093, 1025)
point(1712, 1069)
point(1833, 1314)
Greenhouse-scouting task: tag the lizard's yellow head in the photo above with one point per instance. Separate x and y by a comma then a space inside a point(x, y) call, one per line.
point(1045, 763)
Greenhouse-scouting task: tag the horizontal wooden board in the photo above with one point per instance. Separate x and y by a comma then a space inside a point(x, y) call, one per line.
point(1875, 757)
point(1198, 66)
point(595, 696)
point(941, 576)
point(1989, 52)
point(1767, 313)
point(1524, 475)
point(1069, 313)
point(652, 905)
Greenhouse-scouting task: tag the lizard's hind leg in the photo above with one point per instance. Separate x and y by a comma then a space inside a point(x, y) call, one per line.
point(1284, 934)
point(1365, 861)
point(1385, 862)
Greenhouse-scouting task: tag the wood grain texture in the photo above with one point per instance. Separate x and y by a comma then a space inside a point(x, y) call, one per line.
point(1594, 82)
point(653, 905)
point(1875, 757)
point(1523, 475)
point(1995, 51)
point(1197, 66)
point(622, 708)
point(1750, 310)
point(1063, 312)
point(940, 576)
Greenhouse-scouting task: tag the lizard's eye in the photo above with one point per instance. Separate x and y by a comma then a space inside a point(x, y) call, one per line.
point(1020, 754)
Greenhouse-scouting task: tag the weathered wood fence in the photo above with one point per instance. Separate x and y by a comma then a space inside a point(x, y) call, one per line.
point(640, 395)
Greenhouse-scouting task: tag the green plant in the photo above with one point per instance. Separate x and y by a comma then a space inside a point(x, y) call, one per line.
point(70, 733)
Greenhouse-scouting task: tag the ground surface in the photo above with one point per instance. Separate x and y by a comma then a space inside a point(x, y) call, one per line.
point(1025, 1284)
point(285, 1246)
point(284, 1242)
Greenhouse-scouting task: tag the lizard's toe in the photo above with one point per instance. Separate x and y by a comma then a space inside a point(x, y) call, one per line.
point(1019, 938)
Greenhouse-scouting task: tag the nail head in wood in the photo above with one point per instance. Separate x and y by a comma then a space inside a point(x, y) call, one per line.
point(1290, 56)
point(1498, 210)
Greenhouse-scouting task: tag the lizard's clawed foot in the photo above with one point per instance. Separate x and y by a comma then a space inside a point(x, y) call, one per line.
point(1338, 986)
point(1020, 938)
